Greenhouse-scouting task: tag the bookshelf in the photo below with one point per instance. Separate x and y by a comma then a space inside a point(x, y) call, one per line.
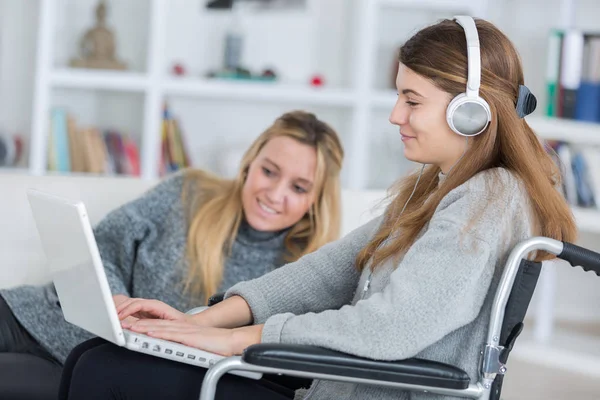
point(106, 80)
point(432, 5)
point(566, 130)
point(264, 92)
point(575, 132)
point(14, 170)
point(358, 100)
point(361, 100)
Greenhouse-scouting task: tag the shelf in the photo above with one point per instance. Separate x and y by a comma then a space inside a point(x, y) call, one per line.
point(105, 80)
point(588, 219)
point(89, 174)
point(14, 170)
point(566, 130)
point(259, 91)
point(429, 5)
point(384, 99)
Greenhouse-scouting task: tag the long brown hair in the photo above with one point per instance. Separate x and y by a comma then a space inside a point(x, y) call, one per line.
point(218, 214)
point(439, 53)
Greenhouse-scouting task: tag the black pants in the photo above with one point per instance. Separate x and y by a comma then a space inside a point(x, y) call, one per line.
point(27, 371)
point(99, 370)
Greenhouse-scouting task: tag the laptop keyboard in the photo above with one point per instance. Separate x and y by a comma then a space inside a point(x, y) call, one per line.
point(177, 352)
point(170, 350)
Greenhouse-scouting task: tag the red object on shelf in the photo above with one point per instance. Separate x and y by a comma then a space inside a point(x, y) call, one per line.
point(317, 80)
point(178, 69)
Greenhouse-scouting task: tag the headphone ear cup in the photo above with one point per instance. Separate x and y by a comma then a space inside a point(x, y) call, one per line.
point(468, 116)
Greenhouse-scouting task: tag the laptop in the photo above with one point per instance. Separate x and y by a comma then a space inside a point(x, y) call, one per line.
point(82, 287)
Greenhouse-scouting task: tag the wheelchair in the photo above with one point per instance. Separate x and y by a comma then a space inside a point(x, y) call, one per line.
point(511, 301)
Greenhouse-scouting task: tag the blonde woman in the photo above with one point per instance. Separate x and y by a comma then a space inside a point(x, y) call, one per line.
point(191, 236)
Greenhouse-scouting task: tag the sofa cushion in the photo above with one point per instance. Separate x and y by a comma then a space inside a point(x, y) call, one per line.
point(22, 259)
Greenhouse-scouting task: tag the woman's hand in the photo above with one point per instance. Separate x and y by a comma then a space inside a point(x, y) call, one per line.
point(119, 299)
point(226, 342)
point(147, 309)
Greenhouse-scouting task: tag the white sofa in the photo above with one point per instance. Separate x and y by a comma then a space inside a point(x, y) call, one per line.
point(22, 260)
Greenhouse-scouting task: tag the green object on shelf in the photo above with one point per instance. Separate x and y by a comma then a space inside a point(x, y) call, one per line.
point(233, 75)
point(552, 100)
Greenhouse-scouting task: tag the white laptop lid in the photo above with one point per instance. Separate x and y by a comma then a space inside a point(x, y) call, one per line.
point(75, 265)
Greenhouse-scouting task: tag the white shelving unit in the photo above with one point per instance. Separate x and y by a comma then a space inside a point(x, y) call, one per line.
point(566, 130)
point(264, 92)
point(577, 132)
point(361, 99)
point(107, 80)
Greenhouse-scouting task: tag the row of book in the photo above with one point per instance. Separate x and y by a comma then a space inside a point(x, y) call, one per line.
point(580, 168)
point(174, 153)
point(11, 150)
point(72, 148)
point(573, 75)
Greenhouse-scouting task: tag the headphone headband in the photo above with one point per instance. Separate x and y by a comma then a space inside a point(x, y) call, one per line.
point(473, 54)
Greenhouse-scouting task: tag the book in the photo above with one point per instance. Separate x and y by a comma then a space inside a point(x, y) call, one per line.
point(61, 140)
point(553, 72)
point(588, 95)
point(570, 75)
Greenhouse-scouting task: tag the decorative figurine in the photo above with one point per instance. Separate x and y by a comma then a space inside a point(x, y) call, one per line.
point(97, 46)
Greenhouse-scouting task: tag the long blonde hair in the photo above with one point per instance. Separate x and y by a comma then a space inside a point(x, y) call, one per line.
point(439, 53)
point(216, 203)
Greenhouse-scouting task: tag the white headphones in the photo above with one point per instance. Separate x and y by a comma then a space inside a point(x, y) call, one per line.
point(468, 114)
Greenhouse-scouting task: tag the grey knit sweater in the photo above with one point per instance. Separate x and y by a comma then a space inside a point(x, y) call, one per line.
point(142, 245)
point(433, 304)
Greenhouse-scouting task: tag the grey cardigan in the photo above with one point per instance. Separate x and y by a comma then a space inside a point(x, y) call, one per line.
point(142, 245)
point(433, 304)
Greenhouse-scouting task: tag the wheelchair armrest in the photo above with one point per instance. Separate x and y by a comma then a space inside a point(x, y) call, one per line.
point(412, 371)
point(217, 298)
point(196, 310)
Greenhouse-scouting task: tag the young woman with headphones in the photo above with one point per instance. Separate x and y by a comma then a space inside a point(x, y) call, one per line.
point(414, 282)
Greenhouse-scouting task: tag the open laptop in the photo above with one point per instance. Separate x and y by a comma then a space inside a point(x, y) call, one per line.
point(81, 284)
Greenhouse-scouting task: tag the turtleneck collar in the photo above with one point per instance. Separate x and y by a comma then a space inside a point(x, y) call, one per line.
point(248, 235)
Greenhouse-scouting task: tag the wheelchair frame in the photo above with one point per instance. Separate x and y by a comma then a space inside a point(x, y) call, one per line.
point(492, 365)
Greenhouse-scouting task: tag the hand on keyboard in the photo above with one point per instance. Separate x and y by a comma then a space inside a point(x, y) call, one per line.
point(147, 309)
point(214, 340)
point(119, 299)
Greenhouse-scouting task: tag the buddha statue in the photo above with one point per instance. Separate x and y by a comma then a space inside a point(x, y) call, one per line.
point(97, 46)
